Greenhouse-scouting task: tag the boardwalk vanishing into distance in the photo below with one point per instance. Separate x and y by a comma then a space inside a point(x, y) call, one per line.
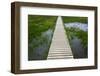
point(60, 48)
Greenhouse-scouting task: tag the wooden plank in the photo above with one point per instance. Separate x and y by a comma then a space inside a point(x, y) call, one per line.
point(60, 47)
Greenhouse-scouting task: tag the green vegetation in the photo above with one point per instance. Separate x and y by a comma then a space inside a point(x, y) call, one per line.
point(68, 19)
point(76, 32)
point(38, 37)
point(39, 24)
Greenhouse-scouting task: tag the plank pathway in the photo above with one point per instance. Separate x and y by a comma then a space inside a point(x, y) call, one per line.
point(60, 48)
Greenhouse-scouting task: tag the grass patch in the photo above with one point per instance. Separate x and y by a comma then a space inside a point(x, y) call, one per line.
point(75, 32)
point(68, 19)
point(38, 45)
point(38, 24)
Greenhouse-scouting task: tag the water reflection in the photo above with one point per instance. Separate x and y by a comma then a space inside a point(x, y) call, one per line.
point(77, 48)
point(82, 26)
point(40, 45)
point(79, 51)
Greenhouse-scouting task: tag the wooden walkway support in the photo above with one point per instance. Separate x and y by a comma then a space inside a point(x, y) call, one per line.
point(60, 48)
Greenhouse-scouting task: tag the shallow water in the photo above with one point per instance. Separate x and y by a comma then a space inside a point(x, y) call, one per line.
point(77, 48)
point(82, 26)
point(39, 46)
point(76, 44)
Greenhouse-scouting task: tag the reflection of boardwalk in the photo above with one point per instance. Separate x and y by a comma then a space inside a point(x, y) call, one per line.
point(60, 48)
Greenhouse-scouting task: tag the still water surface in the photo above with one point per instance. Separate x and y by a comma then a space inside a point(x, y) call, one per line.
point(76, 45)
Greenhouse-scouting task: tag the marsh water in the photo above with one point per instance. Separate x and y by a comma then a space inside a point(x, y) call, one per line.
point(76, 44)
point(77, 48)
point(81, 26)
point(41, 45)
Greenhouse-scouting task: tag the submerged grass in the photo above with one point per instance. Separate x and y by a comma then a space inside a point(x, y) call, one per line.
point(38, 45)
point(76, 32)
point(73, 32)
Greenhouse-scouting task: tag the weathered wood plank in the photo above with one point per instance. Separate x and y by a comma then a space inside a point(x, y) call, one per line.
point(60, 48)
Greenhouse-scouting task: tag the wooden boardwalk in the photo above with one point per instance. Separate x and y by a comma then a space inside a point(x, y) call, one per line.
point(60, 48)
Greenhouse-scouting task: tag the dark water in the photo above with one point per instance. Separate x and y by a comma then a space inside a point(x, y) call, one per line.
point(39, 46)
point(77, 48)
point(76, 45)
